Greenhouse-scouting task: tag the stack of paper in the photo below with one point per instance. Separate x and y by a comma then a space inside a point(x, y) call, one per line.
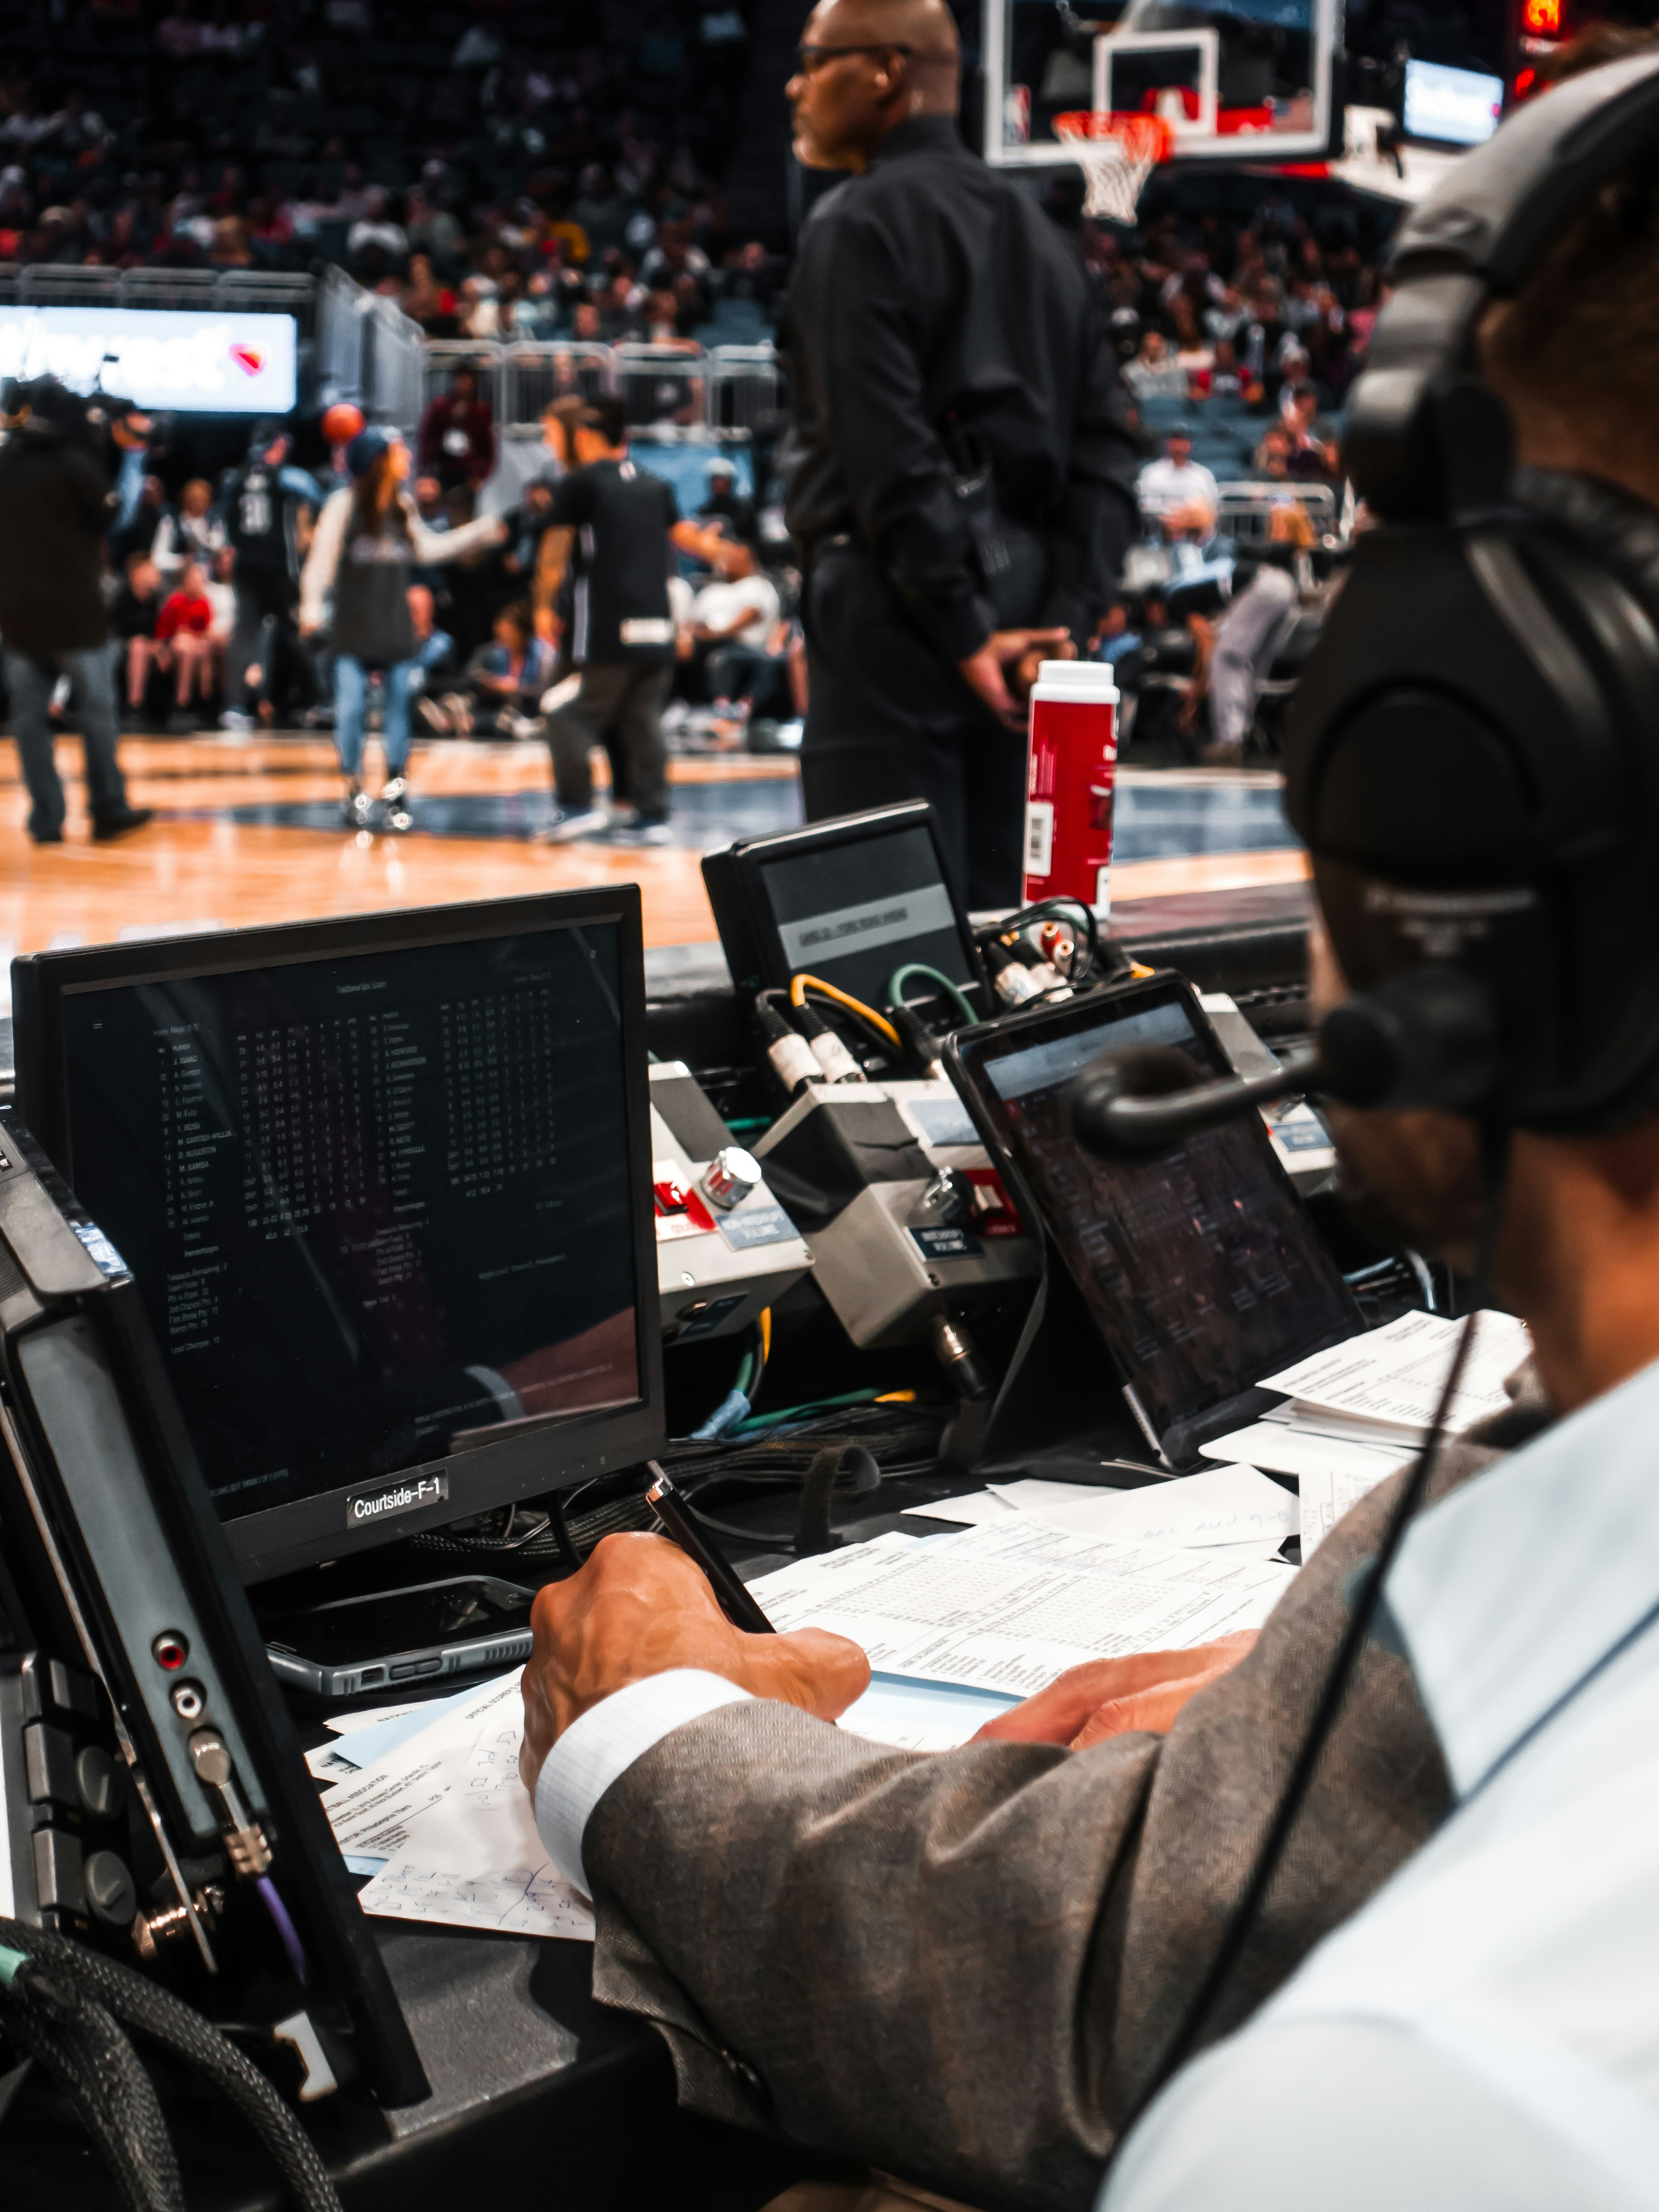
point(1231, 1507)
point(958, 1628)
point(445, 1826)
point(1360, 1411)
point(1008, 1608)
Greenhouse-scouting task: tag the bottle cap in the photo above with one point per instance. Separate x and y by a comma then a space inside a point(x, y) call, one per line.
point(1093, 677)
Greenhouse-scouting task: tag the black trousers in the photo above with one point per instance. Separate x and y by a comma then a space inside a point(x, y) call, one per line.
point(888, 720)
point(265, 629)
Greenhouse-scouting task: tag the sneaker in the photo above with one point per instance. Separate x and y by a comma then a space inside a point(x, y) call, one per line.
point(356, 810)
point(433, 715)
point(636, 832)
point(319, 718)
point(233, 719)
point(585, 821)
point(45, 836)
point(181, 724)
point(524, 725)
point(107, 827)
point(394, 815)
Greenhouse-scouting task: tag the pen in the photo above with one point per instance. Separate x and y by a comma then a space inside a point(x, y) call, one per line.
point(739, 1609)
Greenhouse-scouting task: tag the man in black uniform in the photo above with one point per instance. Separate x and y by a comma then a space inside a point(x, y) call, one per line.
point(269, 508)
point(613, 523)
point(960, 471)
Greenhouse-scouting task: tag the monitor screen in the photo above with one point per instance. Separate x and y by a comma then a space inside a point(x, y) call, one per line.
point(852, 911)
point(1455, 106)
point(1198, 1263)
point(378, 1205)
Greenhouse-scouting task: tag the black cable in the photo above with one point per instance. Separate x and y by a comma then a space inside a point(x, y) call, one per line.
point(74, 2039)
point(560, 1528)
point(140, 2004)
point(1362, 1612)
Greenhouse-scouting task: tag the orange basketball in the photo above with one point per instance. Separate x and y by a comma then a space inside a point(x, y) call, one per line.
point(342, 423)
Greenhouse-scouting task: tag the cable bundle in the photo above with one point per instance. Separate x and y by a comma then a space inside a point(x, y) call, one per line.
point(68, 2007)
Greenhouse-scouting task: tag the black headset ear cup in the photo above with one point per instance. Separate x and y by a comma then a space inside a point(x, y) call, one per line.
point(1618, 525)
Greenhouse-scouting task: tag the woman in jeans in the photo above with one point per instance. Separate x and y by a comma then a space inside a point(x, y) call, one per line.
point(368, 538)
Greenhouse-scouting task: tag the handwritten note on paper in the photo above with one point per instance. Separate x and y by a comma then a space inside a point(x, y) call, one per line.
point(525, 1900)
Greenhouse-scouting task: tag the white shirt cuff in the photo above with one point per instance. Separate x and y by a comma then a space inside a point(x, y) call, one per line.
point(604, 1742)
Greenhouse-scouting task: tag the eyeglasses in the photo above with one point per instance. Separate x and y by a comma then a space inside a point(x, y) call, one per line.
point(809, 59)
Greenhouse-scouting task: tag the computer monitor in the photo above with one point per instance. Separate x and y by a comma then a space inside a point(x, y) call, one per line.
point(848, 900)
point(385, 1186)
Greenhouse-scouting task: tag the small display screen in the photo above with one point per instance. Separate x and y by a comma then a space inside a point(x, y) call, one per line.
point(377, 1206)
point(1454, 106)
point(853, 912)
point(1199, 1264)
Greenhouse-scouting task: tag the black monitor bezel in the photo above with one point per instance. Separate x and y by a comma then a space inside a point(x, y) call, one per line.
point(743, 864)
point(581, 1445)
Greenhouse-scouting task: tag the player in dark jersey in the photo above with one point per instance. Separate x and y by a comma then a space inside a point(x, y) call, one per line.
point(611, 527)
point(269, 509)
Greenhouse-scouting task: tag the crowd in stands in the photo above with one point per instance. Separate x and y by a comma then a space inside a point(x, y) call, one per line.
point(555, 173)
point(540, 173)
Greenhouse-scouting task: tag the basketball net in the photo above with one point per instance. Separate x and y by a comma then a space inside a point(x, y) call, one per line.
point(1116, 155)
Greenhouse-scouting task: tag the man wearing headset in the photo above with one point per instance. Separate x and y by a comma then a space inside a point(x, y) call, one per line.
point(969, 1968)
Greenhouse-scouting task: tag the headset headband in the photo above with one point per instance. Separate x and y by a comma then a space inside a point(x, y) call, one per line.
point(1426, 438)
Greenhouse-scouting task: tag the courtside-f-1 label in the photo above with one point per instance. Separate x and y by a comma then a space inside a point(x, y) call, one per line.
point(406, 1495)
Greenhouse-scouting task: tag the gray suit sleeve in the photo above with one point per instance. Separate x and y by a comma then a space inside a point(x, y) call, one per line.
point(964, 1968)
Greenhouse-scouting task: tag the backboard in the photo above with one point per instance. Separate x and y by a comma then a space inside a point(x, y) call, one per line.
point(1236, 80)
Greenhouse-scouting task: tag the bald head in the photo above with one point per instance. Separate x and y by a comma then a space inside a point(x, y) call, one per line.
point(867, 66)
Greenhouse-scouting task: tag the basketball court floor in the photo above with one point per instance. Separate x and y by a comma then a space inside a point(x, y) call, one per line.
point(248, 830)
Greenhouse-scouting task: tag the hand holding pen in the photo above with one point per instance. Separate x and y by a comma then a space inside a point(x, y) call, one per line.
point(641, 1606)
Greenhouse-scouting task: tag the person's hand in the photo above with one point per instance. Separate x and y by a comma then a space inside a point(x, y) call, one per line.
point(640, 1607)
point(1016, 648)
point(1117, 1697)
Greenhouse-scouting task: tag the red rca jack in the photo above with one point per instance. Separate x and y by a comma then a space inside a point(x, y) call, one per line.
point(169, 1650)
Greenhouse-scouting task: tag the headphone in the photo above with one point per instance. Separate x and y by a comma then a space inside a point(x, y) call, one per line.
point(1472, 757)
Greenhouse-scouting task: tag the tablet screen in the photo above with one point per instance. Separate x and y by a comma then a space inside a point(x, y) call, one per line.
point(1198, 1263)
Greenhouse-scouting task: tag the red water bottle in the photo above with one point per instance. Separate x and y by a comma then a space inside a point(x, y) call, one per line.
point(1070, 776)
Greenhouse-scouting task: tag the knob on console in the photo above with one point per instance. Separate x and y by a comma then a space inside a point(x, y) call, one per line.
point(730, 1176)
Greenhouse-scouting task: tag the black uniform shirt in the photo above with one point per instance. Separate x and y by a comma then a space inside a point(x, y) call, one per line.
point(622, 516)
point(930, 287)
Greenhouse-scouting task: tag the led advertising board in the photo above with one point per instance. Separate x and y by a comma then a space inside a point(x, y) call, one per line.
point(189, 361)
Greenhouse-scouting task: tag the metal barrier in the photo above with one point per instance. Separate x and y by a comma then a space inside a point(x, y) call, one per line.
point(394, 366)
point(338, 352)
point(442, 357)
point(169, 288)
point(535, 374)
point(1244, 510)
point(662, 384)
point(745, 390)
point(48, 285)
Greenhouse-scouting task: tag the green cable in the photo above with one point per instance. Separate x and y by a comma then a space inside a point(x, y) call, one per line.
point(794, 1413)
point(753, 1122)
point(901, 976)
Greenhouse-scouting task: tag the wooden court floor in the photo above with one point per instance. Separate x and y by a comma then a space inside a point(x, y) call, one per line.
point(193, 868)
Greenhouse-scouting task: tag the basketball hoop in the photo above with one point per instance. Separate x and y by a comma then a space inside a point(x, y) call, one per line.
point(1116, 155)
